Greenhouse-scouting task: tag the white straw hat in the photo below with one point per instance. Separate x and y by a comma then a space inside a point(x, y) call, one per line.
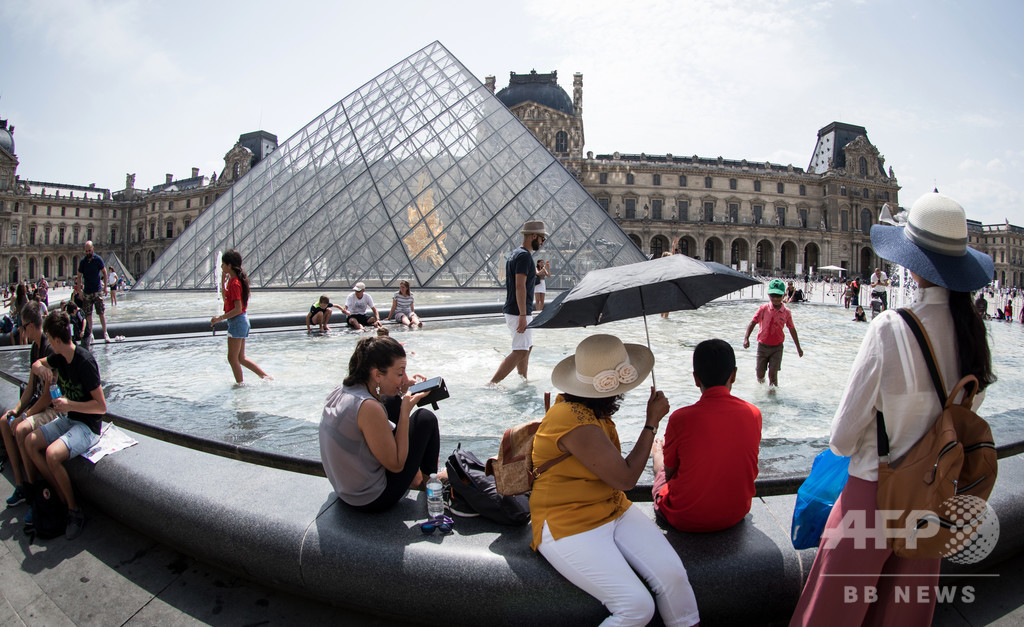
point(603, 366)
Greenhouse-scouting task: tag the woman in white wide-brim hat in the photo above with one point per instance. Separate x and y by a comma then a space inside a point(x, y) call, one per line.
point(890, 375)
point(583, 524)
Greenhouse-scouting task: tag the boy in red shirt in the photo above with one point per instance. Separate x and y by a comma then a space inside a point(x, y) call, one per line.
point(704, 470)
point(772, 317)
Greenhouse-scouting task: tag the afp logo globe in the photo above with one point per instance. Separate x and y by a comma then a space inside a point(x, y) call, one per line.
point(977, 529)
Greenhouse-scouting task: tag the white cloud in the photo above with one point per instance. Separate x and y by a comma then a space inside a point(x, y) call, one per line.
point(979, 120)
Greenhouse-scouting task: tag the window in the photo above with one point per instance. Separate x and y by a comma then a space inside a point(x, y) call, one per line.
point(707, 182)
point(631, 208)
point(88, 234)
point(76, 211)
point(14, 234)
point(170, 228)
point(684, 210)
point(781, 211)
point(603, 178)
point(60, 235)
point(601, 201)
point(862, 166)
point(152, 230)
point(757, 186)
point(734, 212)
point(780, 187)
point(170, 205)
point(758, 213)
point(803, 190)
point(656, 208)
point(63, 211)
point(656, 179)
point(842, 190)
point(629, 178)
point(113, 236)
point(32, 236)
point(139, 239)
point(867, 193)
point(803, 218)
point(90, 212)
point(48, 210)
point(46, 236)
point(682, 180)
point(206, 199)
point(33, 210)
point(188, 220)
point(561, 141)
point(732, 183)
point(657, 247)
point(152, 207)
point(113, 214)
point(709, 212)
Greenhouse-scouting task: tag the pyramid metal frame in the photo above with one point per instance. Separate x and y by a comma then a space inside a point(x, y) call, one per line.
point(420, 174)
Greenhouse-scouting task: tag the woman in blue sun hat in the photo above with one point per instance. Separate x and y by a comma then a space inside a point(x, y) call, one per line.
point(890, 375)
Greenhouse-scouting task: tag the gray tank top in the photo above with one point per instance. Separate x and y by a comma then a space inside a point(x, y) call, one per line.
point(356, 475)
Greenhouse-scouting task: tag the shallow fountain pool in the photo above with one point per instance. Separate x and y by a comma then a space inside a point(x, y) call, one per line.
point(185, 384)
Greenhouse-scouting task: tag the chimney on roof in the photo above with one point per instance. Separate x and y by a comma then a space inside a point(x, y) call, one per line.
point(195, 172)
point(170, 177)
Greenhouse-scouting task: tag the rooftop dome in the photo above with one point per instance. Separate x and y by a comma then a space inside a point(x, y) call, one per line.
point(540, 88)
point(6, 137)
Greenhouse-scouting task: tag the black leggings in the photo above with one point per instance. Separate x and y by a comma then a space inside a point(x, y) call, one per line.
point(424, 446)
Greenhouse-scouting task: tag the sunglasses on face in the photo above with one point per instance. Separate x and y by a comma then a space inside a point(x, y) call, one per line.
point(440, 523)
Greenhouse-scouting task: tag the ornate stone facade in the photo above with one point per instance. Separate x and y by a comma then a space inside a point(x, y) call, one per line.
point(44, 226)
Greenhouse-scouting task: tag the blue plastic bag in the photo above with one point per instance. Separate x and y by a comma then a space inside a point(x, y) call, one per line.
point(816, 496)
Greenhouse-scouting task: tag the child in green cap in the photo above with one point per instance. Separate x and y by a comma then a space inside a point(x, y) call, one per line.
point(772, 317)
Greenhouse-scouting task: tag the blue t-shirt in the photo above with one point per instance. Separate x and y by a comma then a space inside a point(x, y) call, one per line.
point(520, 261)
point(90, 267)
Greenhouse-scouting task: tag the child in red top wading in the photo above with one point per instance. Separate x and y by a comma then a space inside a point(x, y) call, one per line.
point(772, 318)
point(235, 290)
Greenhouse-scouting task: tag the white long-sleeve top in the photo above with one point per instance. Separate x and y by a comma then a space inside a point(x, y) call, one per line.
point(890, 374)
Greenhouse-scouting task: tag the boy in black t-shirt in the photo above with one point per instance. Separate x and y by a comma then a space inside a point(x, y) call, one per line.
point(33, 408)
point(82, 398)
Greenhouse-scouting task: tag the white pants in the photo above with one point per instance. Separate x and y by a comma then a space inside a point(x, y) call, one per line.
point(601, 563)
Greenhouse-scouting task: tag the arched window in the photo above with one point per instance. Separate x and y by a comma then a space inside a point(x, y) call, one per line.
point(46, 266)
point(862, 166)
point(60, 267)
point(561, 141)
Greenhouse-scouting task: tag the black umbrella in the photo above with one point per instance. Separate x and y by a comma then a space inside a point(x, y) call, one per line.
point(649, 287)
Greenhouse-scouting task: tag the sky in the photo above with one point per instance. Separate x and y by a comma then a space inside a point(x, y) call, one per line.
point(97, 89)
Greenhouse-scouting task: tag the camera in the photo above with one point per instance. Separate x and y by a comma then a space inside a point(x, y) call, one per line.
point(436, 387)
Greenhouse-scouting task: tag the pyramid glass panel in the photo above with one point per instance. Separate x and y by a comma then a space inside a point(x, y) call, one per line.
point(420, 174)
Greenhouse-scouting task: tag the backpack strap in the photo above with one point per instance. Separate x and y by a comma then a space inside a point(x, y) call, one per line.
point(548, 464)
point(882, 436)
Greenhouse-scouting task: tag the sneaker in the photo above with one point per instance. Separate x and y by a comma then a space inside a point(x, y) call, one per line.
point(458, 505)
point(76, 522)
point(17, 498)
point(28, 519)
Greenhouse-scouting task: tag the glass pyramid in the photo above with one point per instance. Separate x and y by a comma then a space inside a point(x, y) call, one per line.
point(421, 174)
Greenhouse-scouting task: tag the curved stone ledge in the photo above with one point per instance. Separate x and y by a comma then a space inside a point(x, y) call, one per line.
point(288, 530)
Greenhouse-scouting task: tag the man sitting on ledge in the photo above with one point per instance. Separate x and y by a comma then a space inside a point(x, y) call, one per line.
point(704, 469)
point(81, 397)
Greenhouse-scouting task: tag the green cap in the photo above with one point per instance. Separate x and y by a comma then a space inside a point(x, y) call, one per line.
point(776, 287)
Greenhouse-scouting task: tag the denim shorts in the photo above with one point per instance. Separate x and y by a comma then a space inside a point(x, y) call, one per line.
point(77, 436)
point(238, 327)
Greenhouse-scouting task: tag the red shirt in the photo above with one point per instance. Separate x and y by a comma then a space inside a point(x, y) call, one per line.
point(772, 321)
point(713, 445)
point(232, 293)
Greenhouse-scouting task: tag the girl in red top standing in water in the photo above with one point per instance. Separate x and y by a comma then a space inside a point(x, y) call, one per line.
point(235, 290)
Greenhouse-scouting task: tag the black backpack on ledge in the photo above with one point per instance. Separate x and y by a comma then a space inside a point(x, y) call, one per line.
point(470, 484)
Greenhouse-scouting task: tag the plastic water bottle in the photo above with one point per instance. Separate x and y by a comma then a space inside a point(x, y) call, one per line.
point(54, 391)
point(435, 502)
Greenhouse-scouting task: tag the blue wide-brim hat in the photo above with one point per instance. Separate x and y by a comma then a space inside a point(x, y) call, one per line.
point(933, 245)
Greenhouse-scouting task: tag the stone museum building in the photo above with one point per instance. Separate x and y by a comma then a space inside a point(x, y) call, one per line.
point(759, 217)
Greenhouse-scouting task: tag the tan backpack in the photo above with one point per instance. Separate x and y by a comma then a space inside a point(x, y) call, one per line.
point(513, 469)
point(955, 457)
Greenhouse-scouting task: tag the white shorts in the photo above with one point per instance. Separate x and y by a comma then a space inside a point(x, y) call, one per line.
point(520, 341)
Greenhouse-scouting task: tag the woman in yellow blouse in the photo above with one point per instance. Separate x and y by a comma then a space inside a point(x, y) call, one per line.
point(583, 524)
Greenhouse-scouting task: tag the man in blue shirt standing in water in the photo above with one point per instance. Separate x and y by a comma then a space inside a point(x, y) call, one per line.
point(94, 281)
point(520, 277)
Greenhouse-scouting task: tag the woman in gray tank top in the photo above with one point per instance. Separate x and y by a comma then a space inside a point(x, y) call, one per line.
point(372, 455)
